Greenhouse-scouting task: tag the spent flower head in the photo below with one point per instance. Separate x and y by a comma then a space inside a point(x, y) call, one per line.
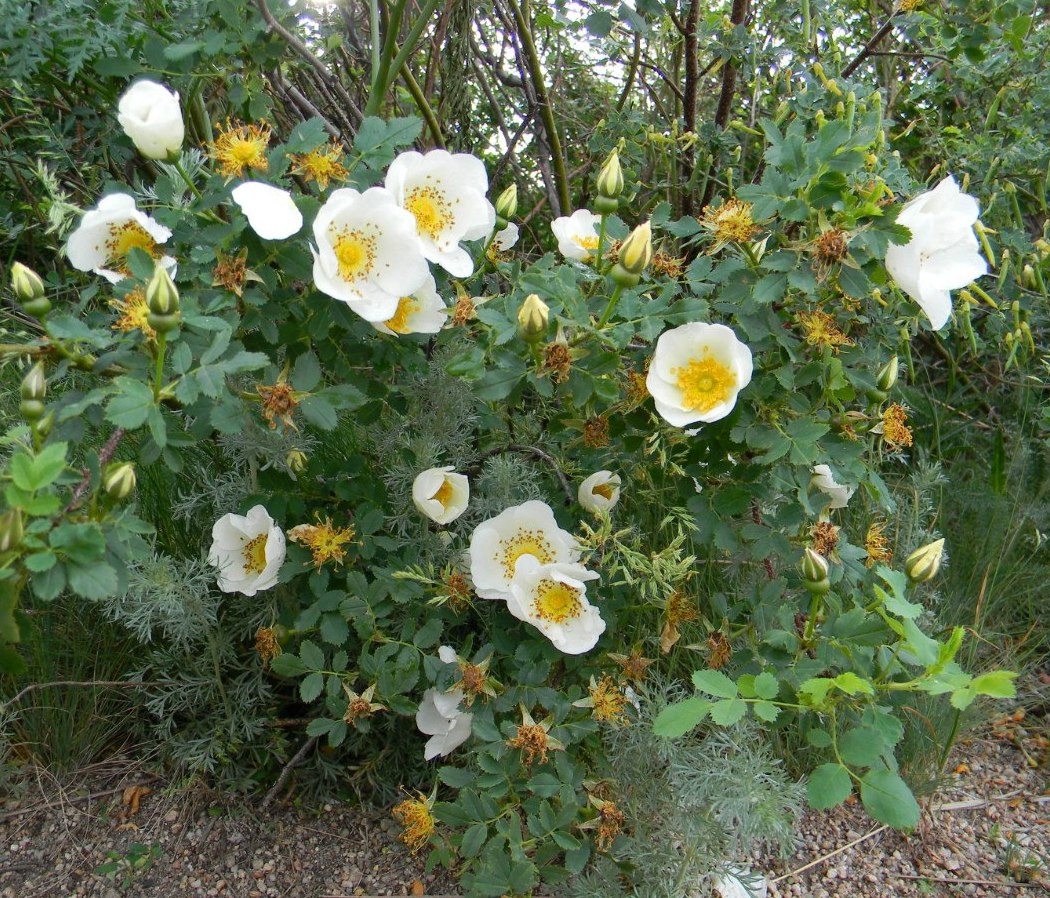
point(238, 148)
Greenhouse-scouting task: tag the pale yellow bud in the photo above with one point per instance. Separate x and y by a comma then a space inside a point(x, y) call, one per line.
point(610, 178)
point(161, 293)
point(533, 318)
point(296, 460)
point(923, 564)
point(26, 283)
point(11, 530)
point(815, 571)
point(637, 250)
point(507, 203)
point(887, 377)
point(118, 480)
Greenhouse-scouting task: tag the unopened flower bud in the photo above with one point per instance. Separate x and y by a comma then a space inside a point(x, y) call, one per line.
point(533, 318)
point(507, 203)
point(1028, 277)
point(637, 250)
point(610, 178)
point(34, 384)
point(10, 530)
point(296, 461)
point(25, 282)
point(923, 564)
point(815, 571)
point(887, 377)
point(118, 480)
point(1043, 247)
point(163, 298)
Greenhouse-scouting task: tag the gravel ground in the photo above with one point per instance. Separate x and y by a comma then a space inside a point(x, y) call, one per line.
point(987, 833)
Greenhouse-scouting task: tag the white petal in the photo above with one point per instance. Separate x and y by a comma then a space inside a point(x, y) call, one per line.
point(270, 211)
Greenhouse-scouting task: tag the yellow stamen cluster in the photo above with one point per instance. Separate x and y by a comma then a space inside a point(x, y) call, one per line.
point(637, 391)
point(133, 310)
point(533, 741)
point(609, 702)
point(634, 665)
point(417, 822)
point(464, 311)
point(611, 822)
point(266, 644)
point(525, 542)
point(557, 361)
point(231, 272)
point(278, 403)
point(240, 147)
point(556, 602)
point(819, 329)
point(680, 608)
point(667, 265)
point(406, 307)
point(123, 238)
point(876, 544)
point(457, 590)
point(355, 251)
point(719, 650)
point(325, 541)
point(825, 538)
point(895, 429)
point(596, 432)
point(910, 5)
point(731, 222)
point(321, 165)
point(704, 383)
point(254, 553)
point(431, 209)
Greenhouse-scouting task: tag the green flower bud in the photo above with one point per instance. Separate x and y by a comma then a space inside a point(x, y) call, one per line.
point(31, 409)
point(118, 480)
point(26, 283)
point(533, 318)
point(34, 384)
point(507, 203)
point(296, 460)
point(637, 250)
point(887, 377)
point(610, 178)
point(815, 572)
point(163, 298)
point(11, 530)
point(923, 564)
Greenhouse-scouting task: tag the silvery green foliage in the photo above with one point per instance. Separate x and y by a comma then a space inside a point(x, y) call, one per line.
point(692, 804)
point(169, 598)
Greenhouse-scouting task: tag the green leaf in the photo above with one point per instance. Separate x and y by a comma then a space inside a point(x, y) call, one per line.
point(130, 404)
point(473, 839)
point(92, 581)
point(456, 777)
point(766, 685)
point(888, 799)
point(715, 683)
point(851, 684)
point(828, 785)
point(32, 473)
point(996, 683)
point(678, 719)
point(334, 629)
point(175, 52)
point(310, 687)
point(766, 711)
point(311, 655)
point(306, 373)
point(728, 711)
point(80, 543)
point(287, 665)
point(861, 747)
point(319, 412)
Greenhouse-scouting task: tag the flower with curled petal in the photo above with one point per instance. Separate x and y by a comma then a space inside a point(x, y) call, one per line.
point(248, 550)
point(108, 233)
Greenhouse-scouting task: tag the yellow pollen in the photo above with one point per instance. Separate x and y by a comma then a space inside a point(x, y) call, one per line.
point(604, 489)
point(356, 253)
point(586, 242)
point(444, 493)
point(134, 311)
point(525, 542)
point(254, 552)
point(556, 602)
point(241, 147)
point(123, 239)
point(406, 307)
point(705, 382)
point(431, 209)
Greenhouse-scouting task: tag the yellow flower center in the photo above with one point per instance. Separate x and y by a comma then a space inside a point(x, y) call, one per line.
point(556, 602)
point(406, 307)
point(254, 553)
point(123, 238)
point(588, 243)
point(241, 147)
point(321, 165)
point(431, 209)
point(526, 542)
point(604, 489)
point(705, 382)
point(356, 253)
point(444, 493)
point(134, 311)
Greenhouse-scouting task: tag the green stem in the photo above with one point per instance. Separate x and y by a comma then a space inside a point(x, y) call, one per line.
point(158, 373)
point(380, 76)
point(373, 26)
point(601, 245)
point(814, 612)
point(611, 307)
point(177, 164)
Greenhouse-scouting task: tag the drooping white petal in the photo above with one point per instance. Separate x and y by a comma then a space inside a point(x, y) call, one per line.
point(824, 480)
point(270, 211)
point(447, 654)
point(505, 239)
point(107, 234)
point(440, 718)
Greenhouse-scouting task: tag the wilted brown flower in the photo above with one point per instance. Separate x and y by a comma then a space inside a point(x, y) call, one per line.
point(279, 401)
point(557, 361)
point(895, 429)
point(825, 538)
point(596, 432)
point(417, 821)
point(876, 544)
point(240, 147)
point(719, 650)
point(266, 644)
point(819, 329)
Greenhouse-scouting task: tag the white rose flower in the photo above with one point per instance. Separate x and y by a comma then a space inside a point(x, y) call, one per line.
point(441, 495)
point(150, 115)
point(696, 372)
point(505, 239)
point(446, 195)
point(824, 480)
point(600, 491)
point(367, 252)
point(248, 550)
point(553, 598)
point(423, 312)
point(440, 718)
point(942, 254)
point(270, 211)
point(109, 232)
point(498, 543)
point(577, 234)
